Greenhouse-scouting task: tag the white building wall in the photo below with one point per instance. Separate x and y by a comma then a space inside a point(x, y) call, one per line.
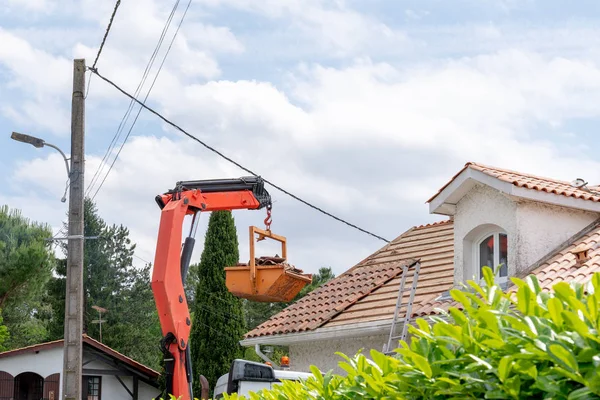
point(542, 227)
point(481, 206)
point(534, 229)
point(43, 363)
point(50, 361)
point(322, 353)
point(112, 388)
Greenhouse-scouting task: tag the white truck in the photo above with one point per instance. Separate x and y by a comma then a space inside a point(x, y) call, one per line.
point(248, 376)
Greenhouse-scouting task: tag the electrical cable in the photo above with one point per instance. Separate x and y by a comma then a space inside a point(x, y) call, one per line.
point(112, 17)
point(95, 71)
point(145, 98)
point(125, 117)
point(140, 258)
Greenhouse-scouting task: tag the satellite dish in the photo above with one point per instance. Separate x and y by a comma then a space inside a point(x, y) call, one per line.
point(578, 183)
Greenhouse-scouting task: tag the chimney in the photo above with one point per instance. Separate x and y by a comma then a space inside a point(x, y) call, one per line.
point(581, 253)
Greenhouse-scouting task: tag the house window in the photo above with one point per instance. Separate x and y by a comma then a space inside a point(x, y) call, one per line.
point(91, 388)
point(493, 252)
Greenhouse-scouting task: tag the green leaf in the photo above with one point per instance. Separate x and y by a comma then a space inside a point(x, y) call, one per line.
point(555, 308)
point(458, 316)
point(488, 276)
point(575, 322)
point(504, 367)
point(582, 394)
point(526, 367)
point(422, 364)
point(563, 356)
point(525, 299)
point(481, 362)
point(534, 284)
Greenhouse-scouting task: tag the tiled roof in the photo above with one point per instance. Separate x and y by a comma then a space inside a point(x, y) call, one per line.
point(558, 266)
point(528, 181)
point(434, 245)
point(371, 283)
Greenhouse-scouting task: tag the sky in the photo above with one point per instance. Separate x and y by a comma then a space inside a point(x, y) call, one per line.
point(362, 108)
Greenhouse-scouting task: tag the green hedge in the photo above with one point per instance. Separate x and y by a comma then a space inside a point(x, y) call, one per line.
point(528, 344)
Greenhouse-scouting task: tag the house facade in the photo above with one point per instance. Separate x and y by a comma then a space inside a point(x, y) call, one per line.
point(491, 217)
point(35, 372)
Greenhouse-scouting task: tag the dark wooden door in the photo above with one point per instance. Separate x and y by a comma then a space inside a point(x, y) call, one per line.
point(7, 386)
point(52, 387)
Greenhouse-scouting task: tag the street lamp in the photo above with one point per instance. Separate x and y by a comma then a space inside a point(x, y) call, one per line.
point(39, 143)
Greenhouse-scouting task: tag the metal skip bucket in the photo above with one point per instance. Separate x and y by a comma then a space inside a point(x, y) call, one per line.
point(266, 279)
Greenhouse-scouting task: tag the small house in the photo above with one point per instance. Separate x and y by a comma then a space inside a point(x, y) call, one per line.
point(35, 372)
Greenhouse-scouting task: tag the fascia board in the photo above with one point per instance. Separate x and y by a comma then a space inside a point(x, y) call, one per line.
point(338, 332)
point(445, 202)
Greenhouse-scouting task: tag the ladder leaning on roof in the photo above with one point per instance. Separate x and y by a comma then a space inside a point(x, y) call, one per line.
point(407, 307)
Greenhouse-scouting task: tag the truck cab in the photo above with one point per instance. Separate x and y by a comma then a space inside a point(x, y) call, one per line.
point(248, 376)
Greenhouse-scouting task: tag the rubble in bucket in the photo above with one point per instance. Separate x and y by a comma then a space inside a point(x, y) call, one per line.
point(267, 278)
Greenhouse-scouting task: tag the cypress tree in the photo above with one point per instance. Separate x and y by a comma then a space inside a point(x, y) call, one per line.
point(218, 319)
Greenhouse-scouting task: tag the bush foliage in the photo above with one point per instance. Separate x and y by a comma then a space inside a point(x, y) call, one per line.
point(523, 344)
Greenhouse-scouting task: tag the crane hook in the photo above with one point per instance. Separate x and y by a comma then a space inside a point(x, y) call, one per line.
point(268, 220)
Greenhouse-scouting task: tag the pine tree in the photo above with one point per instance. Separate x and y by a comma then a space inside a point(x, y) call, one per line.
point(110, 281)
point(218, 319)
point(26, 262)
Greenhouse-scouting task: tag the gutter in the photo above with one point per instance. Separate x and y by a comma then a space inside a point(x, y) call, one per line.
point(373, 328)
point(338, 332)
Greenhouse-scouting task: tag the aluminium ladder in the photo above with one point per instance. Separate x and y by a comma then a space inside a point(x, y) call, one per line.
point(407, 306)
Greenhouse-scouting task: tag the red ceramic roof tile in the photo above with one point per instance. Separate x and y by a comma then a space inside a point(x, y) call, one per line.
point(529, 181)
point(372, 280)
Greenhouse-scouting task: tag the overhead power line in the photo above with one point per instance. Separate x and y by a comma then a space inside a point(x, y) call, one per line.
point(127, 114)
point(112, 17)
point(146, 97)
point(237, 164)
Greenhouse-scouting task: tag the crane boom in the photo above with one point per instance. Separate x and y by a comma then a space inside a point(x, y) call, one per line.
point(171, 262)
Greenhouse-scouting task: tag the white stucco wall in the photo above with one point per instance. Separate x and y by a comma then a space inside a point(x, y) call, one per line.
point(43, 363)
point(50, 361)
point(481, 206)
point(534, 229)
point(322, 353)
point(542, 227)
point(112, 388)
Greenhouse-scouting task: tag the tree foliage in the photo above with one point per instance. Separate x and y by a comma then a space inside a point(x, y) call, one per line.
point(26, 263)
point(526, 344)
point(131, 324)
point(218, 319)
point(25, 257)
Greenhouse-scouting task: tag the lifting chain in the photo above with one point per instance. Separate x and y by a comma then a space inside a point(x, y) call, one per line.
point(268, 220)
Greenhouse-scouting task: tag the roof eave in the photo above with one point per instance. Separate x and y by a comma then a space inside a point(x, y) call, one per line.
point(444, 203)
point(338, 332)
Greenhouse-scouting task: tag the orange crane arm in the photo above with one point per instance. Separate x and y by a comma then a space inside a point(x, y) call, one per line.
point(171, 262)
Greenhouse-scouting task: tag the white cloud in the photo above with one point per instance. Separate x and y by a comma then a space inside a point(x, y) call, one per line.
point(370, 142)
point(332, 27)
point(29, 5)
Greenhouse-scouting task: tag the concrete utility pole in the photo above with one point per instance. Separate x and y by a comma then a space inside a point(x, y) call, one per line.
point(72, 368)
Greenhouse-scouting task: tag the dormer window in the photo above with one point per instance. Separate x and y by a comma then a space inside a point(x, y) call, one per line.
point(492, 251)
point(486, 245)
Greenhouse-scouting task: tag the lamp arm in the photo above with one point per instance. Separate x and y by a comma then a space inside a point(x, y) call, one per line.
point(64, 198)
point(63, 154)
